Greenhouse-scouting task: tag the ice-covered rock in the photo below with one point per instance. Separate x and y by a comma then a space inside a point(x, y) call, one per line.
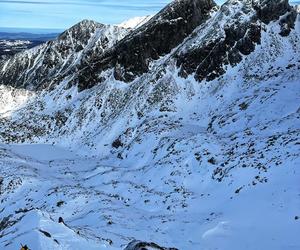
point(141, 245)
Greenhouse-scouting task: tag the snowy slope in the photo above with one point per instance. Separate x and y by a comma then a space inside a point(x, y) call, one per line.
point(168, 158)
point(135, 22)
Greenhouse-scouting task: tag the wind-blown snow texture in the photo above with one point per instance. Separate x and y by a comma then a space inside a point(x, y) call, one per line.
point(168, 157)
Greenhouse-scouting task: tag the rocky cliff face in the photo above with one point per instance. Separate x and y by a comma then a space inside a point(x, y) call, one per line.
point(132, 56)
point(237, 30)
point(48, 64)
point(270, 10)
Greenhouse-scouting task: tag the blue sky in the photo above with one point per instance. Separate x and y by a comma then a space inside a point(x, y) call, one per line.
point(61, 14)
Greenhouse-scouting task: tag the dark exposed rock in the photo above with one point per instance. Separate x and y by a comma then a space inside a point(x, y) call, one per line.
point(45, 233)
point(49, 64)
point(269, 10)
point(5, 222)
point(244, 106)
point(117, 143)
point(287, 23)
point(60, 203)
point(212, 161)
point(141, 245)
point(23, 210)
point(238, 190)
point(208, 60)
point(131, 56)
point(80, 33)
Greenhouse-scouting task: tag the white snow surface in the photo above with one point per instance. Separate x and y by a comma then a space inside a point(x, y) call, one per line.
point(210, 165)
point(135, 22)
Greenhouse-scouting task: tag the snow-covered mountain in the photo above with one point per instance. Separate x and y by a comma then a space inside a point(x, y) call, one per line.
point(183, 131)
point(41, 66)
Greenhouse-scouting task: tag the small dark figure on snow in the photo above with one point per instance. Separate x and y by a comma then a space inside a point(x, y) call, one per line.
point(61, 220)
point(25, 247)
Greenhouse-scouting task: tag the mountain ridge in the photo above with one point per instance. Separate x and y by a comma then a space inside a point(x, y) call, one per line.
point(90, 69)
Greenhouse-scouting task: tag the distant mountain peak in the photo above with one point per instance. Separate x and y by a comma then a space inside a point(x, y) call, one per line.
point(82, 30)
point(135, 22)
point(51, 62)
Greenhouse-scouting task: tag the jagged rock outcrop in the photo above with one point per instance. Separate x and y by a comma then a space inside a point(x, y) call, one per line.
point(141, 245)
point(269, 10)
point(81, 53)
point(237, 30)
point(132, 55)
point(47, 65)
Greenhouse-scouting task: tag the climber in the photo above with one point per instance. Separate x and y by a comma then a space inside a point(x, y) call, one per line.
point(25, 247)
